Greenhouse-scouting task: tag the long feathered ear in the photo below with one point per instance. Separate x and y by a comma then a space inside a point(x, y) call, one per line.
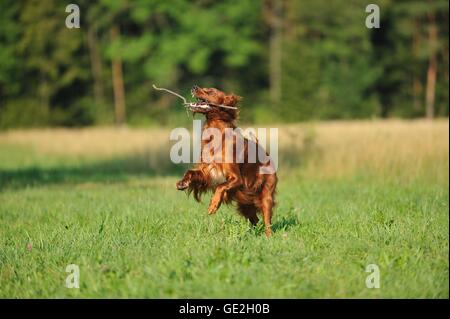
point(232, 99)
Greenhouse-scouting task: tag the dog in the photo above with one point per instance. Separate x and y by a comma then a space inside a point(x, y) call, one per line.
point(235, 181)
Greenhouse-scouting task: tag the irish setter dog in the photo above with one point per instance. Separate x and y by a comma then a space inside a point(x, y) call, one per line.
point(231, 181)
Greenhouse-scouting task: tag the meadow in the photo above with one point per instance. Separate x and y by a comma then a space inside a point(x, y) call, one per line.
point(350, 194)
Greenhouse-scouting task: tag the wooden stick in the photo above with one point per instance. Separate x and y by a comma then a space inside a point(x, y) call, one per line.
point(186, 103)
point(171, 92)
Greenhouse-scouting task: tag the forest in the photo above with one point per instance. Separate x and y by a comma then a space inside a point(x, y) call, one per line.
point(291, 60)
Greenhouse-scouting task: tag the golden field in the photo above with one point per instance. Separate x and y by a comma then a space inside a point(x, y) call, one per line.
point(323, 149)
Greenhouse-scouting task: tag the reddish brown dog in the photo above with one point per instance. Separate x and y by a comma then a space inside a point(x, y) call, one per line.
point(235, 181)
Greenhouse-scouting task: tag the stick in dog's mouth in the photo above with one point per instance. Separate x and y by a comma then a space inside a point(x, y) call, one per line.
point(200, 105)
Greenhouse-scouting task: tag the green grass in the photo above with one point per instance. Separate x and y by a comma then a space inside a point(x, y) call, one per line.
point(133, 235)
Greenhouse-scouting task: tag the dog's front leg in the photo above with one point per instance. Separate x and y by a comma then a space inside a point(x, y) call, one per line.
point(234, 180)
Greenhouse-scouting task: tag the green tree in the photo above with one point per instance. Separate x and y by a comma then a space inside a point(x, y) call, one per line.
point(53, 64)
point(328, 67)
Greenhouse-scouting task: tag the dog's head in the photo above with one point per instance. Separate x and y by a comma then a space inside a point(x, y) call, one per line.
point(214, 103)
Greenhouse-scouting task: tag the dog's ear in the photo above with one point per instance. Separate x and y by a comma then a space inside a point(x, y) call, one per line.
point(231, 100)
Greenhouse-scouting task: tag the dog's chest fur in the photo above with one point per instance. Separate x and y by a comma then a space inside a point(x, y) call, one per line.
point(216, 176)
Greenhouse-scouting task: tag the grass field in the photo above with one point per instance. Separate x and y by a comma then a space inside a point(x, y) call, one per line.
point(350, 194)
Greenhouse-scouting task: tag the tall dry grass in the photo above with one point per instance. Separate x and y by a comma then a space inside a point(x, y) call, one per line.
point(99, 142)
point(387, 148)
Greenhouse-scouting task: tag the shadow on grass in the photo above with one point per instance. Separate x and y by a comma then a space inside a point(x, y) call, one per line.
point(284, 224)
point(281, 224)
point(115, 170)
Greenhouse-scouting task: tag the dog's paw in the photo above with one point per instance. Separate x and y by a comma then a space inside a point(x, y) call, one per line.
point(182, 185)
point(212, 209)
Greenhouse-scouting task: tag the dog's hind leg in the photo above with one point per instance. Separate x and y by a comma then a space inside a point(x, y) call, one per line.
point(192, 176)
point(266, 208)
point(267, 201)
point(195, 181)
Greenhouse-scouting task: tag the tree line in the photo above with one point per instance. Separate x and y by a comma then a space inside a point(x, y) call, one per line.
point(291, 60)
